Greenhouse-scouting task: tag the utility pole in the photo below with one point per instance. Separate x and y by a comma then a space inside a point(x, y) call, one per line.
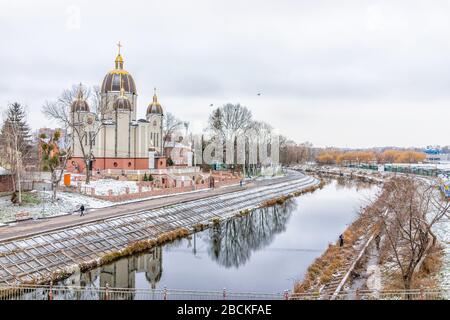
point(43, 203)
point(18, 164)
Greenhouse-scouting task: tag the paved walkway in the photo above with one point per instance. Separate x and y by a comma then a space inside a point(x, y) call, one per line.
point(30, 227)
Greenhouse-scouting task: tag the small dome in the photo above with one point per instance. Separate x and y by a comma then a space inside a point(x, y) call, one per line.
point(79, 104)
point(155, 107)
point(122, 103)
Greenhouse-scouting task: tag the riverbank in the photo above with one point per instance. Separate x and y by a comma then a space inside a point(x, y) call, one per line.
point(237, 253)
point(362, 264)
point(57, 254)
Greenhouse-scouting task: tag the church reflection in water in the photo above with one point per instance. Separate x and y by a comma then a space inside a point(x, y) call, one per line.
point(229, 244)
point(122, 273)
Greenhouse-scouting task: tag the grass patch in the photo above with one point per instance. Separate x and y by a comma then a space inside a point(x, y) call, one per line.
point(30, 198)
point(199, 227)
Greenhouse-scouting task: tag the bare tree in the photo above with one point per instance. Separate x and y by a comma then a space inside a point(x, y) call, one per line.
point(230, 121)
point(83, 127)
point(53, 159)
point(170, 125)
point(226, 124)
point(406, 212)
point(259, 136)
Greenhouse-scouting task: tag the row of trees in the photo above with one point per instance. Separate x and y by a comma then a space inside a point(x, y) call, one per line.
point(404, 217)
point(292, 152)
point(332, 156)
point(231, 121)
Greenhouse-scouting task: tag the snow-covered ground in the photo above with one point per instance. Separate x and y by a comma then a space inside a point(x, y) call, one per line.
point(103, 186)
point(441, 166)
point(442, 230)
point(3, 171)
point(66, 203)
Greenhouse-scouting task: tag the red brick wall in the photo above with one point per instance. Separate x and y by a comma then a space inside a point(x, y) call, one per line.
point(5, 183)
point(161, 163)
point(109, 163)
point(158, 192)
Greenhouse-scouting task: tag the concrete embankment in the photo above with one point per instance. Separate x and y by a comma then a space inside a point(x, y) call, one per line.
point(56, 254)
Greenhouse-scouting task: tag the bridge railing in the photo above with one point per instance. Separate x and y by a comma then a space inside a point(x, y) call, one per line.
point(412, 294)
point(49, 292)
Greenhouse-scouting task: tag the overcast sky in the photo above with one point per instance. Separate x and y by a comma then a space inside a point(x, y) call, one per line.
point(335, 73)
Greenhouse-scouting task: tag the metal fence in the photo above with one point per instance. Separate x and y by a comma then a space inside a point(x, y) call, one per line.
point(49, 292)
point(412, 294)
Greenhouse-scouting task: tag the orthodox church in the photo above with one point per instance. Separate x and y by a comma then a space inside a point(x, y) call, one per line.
point(114, 136)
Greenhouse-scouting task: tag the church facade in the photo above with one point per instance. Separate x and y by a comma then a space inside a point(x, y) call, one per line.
point(115, 138)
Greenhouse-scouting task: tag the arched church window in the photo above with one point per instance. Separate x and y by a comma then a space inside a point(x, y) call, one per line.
point(154, 123)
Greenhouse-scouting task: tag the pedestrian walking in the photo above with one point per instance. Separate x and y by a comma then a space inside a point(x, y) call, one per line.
point(341, 240)
point(377, 241)
point(240, 183)
point(82, 210)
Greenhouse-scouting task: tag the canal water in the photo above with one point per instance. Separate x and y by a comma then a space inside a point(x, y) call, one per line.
point(266, 251)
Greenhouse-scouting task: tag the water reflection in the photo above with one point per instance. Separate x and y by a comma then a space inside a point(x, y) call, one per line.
point(359, 185)
point(229, 244)
point(262, 251)
point(232, 243)
point(123, 273)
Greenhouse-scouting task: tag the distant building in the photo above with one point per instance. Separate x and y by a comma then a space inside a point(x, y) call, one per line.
point(180, 154)
point(435, 155)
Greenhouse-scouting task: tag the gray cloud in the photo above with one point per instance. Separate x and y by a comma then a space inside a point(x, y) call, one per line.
point(333, 73)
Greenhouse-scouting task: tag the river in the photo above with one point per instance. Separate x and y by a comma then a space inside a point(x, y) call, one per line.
point(266, 251)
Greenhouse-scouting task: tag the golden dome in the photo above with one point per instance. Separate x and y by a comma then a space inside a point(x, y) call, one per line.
point(122, 102)
point(79, 104)
point(155, 107)
point(118, 76)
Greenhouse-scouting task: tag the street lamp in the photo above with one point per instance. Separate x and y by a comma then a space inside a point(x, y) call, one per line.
point(43, 203)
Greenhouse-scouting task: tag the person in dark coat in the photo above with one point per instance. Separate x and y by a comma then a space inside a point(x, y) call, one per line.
point(341, 240)
point(377, 241)
point(82, 210)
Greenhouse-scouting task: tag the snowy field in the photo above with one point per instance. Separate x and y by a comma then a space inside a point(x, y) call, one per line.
point(66, 203)
point(103, 186)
